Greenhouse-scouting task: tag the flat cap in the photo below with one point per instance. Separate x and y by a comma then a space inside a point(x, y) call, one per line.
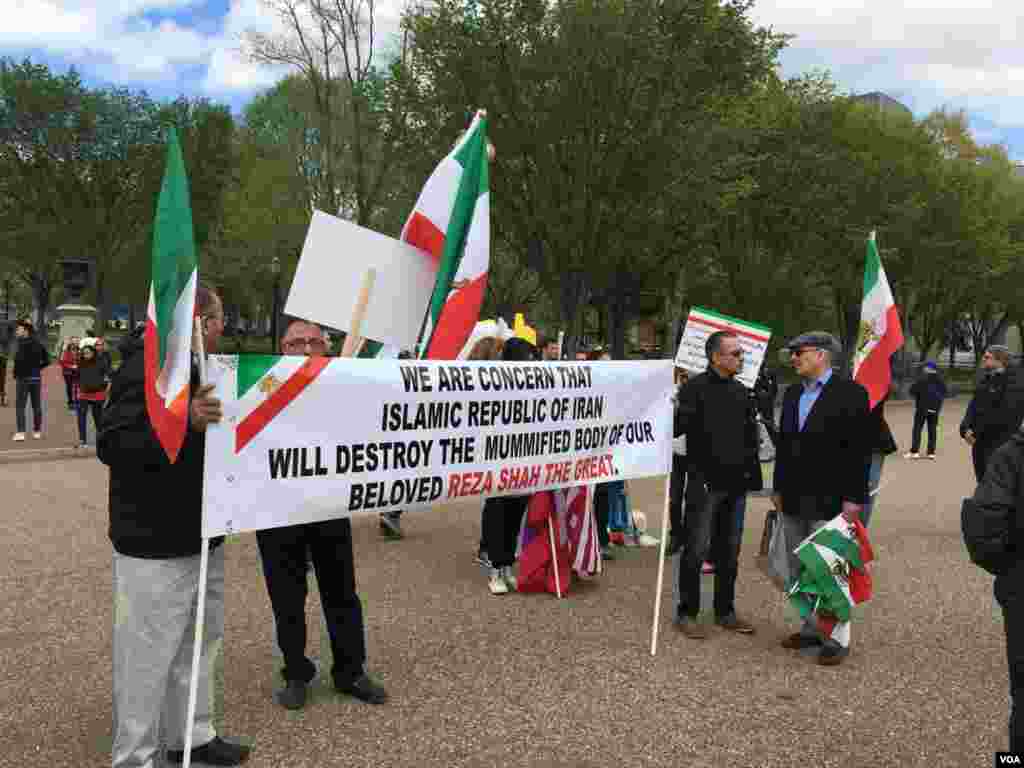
point(816, 340)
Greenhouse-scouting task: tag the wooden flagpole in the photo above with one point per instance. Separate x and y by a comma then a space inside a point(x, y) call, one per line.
point(554, 557)
point(661, 564)
point(353, 341)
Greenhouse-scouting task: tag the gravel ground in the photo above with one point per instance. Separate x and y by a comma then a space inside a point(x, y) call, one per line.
point(523, 680)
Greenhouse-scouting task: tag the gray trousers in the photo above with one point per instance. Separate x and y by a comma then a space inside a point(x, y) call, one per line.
point(154, 633)
point(796, 529)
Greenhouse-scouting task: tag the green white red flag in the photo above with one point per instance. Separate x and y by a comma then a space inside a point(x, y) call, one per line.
point(880, 333)
point(451, 221)
point(172, 299)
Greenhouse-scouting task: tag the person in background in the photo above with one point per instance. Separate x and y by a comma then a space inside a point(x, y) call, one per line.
point(91, 383)
point(4, 343)
point(283, 552)
point(929, 392)
point(765, 393)
point(29, 362)
point(550, 351)
point(680, 465)
point(882, 444)
point(69, 369)
point(609, 498)
point(102, 354)
point(995, 411)
point(488, 348)
point(503, 515)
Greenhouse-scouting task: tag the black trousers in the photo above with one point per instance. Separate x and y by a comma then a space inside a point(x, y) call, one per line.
point(283, 551)
point(920, 419)
point(69, 388)
point(502, 518)
point(3, 379)
point(24, 390)
point(716, 521)
point(1009, 591)
point(981, 452)
point(84, 408)
point(602, 511)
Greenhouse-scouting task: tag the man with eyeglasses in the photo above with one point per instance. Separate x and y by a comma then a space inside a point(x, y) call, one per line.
point(329, 542)
point(995, 411)
point(821, 464)
point(716, 415)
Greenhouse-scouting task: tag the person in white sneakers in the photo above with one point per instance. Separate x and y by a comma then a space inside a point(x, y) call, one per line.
point(928, 392)
point(29, 362)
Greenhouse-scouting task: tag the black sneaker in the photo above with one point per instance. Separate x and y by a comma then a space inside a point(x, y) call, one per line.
point(675, 543)
point(390, 528)
point(293, 695)
point(215, 752)
point(365, 689)
point(482, 559)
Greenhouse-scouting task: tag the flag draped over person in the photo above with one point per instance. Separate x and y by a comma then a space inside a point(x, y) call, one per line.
point(833, 573)
point(880, 332)
point(172, 298)
point(451, 221)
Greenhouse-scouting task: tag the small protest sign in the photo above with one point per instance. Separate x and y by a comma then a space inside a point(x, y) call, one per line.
point(701, 323)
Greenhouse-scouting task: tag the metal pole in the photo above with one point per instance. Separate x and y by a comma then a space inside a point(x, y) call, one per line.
point(273, 318)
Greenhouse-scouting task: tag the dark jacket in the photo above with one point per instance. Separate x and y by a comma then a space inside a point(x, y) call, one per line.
point(155, 506)
point(996, 410)
point(717, 417)
point(993, 521)
point(30, 359)
point(93, 377)
point(827, 462)
point(878, 434)
point(929, 392)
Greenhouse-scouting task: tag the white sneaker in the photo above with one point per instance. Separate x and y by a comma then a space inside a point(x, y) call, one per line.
point(509, 577)
point(646, 540)
point(19, 437)
point(911, 455)
point(497, 583)
point(930, 457)
point(37, 435)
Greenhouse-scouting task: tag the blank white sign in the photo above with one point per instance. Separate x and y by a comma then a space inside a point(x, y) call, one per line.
point(334, 261)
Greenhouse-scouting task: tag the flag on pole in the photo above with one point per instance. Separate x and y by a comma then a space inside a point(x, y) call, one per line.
point(833, 571)
point(451, 221)
point(172, 299)
point(880, 332)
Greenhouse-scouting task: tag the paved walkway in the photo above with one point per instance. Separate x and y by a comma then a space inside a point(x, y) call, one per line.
point(519, 680)
point(60, 425)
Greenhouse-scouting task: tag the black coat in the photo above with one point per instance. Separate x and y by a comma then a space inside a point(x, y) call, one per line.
point(155, 506)
point(996, 520)
point(929, 392)
point(30, 359)
point(879, 436)
point(827, 462)
point(996, 410)
point(717, 417)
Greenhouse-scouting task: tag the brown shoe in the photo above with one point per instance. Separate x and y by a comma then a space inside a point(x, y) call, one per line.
point(692, 628)
point(735, 624)
point(797, 641)
point(832, 656)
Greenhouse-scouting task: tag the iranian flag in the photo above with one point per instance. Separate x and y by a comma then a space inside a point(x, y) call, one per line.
point(451, 221)
point(833, 571)
point(880, 332)
point(172, 299)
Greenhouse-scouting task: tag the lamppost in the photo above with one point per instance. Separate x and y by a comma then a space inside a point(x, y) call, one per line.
point(275, 267)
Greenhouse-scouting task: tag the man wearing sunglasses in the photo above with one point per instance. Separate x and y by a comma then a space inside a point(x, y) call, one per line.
point(283, 552)
point(821, 464)
point(716, 415)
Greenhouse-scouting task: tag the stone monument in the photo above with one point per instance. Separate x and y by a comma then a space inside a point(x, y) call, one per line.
point(75, 317)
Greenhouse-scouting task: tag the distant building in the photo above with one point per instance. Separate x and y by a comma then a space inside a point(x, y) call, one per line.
point(1019, 167)
point(884, 103)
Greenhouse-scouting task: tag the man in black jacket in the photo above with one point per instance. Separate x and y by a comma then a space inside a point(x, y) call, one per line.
point(995, 411)
point(155, 524)
point(29, 362)
point(715, 413)
point(999, 502)
point(821, 465)
point(283, 552)
point(929, 393)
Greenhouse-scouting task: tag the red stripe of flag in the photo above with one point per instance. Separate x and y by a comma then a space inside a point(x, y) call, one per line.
point(169, 424)
point(422, 233)
point(278, 401)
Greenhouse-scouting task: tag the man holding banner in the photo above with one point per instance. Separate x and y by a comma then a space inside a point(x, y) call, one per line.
point(715, 414)
point(155, 527)
point(283, 552)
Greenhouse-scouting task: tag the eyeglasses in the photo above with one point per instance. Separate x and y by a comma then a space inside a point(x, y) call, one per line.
point(735, 353)
point(298, 345)
point(800, 350)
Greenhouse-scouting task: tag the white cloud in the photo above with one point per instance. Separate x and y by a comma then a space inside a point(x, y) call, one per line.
point(928, 53)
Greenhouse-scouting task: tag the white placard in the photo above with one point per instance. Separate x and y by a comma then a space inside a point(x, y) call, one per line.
point(306, 439)
point(701, 323)
point(334, 261)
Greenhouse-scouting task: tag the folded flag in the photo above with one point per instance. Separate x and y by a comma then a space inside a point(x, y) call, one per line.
point(833, 570)
point(537, 562)
point(581, 528)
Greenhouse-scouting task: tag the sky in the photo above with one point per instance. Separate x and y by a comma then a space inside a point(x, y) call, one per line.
point(925, 53)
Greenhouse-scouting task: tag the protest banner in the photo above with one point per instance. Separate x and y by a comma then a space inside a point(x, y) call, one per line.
point(331, 278)
point(306, 439)
point(701, 323)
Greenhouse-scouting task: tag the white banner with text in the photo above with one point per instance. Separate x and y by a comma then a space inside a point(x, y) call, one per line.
point(307, 439)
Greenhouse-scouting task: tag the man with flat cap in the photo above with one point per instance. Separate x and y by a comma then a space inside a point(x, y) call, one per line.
point(995, 411)
point(821, 464)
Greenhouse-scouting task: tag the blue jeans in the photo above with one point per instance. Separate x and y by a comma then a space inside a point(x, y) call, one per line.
point(874, 478)
point(720, 520)
point(25, 390)
point(84, 407)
